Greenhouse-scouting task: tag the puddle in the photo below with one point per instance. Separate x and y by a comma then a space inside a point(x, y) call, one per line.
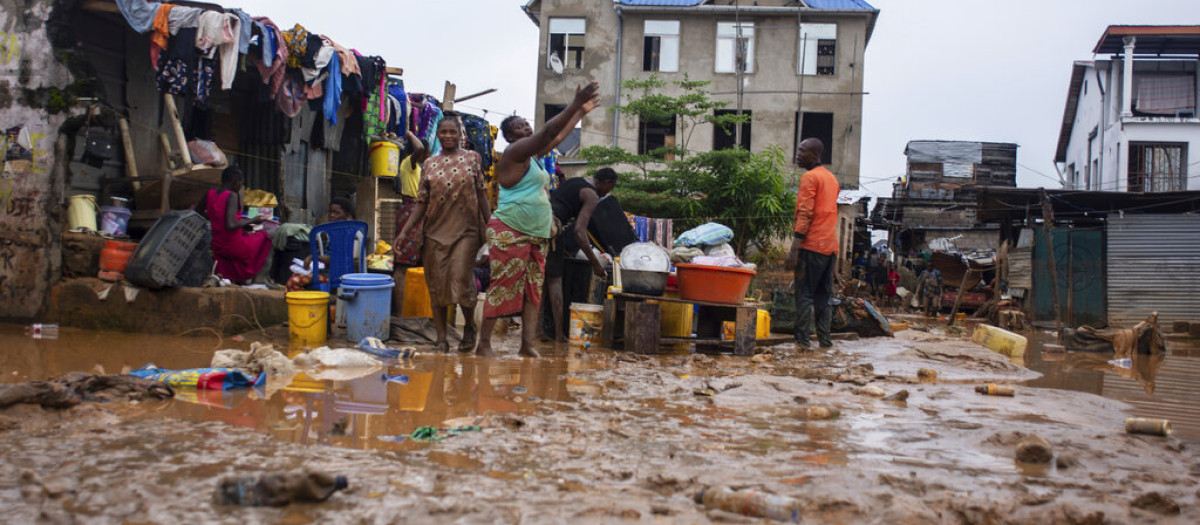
point(1158, 386)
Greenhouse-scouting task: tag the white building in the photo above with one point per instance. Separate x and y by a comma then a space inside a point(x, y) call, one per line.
point(1130, 121)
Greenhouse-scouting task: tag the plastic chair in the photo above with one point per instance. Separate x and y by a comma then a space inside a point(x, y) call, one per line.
point(340, 235)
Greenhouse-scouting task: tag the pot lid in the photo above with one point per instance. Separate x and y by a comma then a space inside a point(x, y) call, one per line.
point(645, 256)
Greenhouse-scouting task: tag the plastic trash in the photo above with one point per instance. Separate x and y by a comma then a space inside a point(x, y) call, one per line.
point(1121, 363)
point(374, 346)
point(42, 331)
point(992, 389)
point(751, 503)
point(398, 378)
point(1149, 426)
point(277, 490)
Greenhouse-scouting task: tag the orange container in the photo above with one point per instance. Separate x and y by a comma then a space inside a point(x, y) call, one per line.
point(714, 284)
point(115, 256)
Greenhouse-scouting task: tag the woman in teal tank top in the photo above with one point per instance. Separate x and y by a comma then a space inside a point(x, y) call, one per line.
point(519, 230)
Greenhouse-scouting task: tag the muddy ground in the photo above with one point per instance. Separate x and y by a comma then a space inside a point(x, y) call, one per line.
point(609, 437)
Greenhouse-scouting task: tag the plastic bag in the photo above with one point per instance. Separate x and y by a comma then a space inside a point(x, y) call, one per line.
point(206, 152)
point(720, 250)
point(709, 234)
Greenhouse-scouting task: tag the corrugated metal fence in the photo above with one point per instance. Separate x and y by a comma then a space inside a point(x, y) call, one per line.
point(1153, 266)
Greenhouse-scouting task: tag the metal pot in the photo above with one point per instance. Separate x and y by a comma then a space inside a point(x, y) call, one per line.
point(642, 282)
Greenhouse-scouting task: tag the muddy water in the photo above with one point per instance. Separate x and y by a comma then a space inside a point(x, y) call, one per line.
point(1158, 386)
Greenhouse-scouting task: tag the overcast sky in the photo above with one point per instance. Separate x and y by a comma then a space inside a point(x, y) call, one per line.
point(935, 69)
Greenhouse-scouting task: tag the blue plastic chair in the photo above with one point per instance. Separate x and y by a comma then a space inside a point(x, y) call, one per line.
point(340, 235)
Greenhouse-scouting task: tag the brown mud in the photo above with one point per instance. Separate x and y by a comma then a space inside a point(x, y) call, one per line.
point(597, 436)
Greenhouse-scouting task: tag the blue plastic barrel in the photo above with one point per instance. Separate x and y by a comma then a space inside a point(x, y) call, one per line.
point(368, 300)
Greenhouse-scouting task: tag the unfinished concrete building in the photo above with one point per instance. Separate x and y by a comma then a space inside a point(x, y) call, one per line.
point(796, 67)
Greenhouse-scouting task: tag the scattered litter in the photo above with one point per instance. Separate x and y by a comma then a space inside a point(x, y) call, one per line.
point(374, 346)
point(1122, 363)
point(927, 375)
point(992, 389)
point(76, 387)
point(519, 390)
point(1148, 426)
point(1034, 449)
point(42, 331)
point(871, 390)
point(901, 397)
point(261, 358)
point(705, 392)
point(201, 378)
point(398, 378)
point(278, 490)
point(820, 413)
point(326, 357)
point(750, 503)
point(429, 434)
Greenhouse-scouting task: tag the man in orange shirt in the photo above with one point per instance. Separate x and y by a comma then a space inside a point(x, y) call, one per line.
point(814, 245)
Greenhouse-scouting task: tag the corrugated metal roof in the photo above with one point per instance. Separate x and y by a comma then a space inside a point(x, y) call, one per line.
point(840, 4)
point(671, 3)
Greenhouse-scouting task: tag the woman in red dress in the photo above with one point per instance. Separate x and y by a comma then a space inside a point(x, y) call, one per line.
point(240, 254)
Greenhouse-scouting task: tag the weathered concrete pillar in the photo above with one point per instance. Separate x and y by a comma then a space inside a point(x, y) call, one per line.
point(1127, 81)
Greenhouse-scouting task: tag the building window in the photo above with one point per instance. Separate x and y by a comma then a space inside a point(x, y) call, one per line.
point(818, 49)
point(566, 42)
point(653, 135)
point(552, 110)
point(660, 50)
point(819, 126)
point(735, 47)
point(1157, 166)
point(1072, 177)
point(727, 138)
point(1165, 95)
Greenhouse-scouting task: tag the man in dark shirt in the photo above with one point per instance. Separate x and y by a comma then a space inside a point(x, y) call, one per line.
point(573, 203)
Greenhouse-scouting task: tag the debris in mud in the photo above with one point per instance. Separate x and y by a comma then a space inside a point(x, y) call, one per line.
point(762, 358)
point(901, 397)
point(277, 490)
point(1157, 503)
point(259, 359)
point(872, 391)
point(76, 387)
point(1148, 426)
point(1066, 461)
point(992, 389)
point(750, 503)
point(820, 413)
point(1034, 449)
point(927, 375)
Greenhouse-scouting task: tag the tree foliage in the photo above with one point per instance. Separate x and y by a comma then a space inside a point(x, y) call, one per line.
point(746, 191)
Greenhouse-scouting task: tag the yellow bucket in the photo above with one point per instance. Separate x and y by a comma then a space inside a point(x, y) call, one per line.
point(384, 159)
point(762, 331)
point(308, 315)
point(416, 295)
point(586, 323)
point(676, 320)
point(81, 213)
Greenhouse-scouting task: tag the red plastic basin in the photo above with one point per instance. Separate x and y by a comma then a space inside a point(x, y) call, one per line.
point(714, 284)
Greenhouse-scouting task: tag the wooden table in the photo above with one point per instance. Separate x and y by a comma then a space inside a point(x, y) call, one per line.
point(633, 321)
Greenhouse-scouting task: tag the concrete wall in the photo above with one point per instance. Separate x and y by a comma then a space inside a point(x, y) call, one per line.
point(775, 68)
point(31, 191)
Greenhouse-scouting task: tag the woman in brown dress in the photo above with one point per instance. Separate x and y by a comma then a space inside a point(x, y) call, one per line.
point(452, 201)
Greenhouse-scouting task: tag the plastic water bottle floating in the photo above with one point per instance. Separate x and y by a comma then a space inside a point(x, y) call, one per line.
point(42, 331)
point(398, 378)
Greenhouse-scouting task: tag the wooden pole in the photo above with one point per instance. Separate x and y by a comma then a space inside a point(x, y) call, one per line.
point(1047, 220)
point(448, 96)
point(130, 161)
point(177, 130)
point(962, 288)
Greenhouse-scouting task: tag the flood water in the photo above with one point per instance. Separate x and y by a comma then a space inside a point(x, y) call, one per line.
point(1158, 386)
point(371, 413)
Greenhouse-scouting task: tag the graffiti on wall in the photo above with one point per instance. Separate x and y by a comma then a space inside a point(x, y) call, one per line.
point(10, 48)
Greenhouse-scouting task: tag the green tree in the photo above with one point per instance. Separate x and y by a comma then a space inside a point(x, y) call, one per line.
point(743, 190)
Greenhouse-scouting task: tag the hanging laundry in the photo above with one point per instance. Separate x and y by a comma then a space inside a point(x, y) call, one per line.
point(333, 88)
point(139, 13)
point(162, 26)
point(218, 37)
point(183, 16)
point(244, 24)
point(290, 97)
point(345, 57)
point(274, 72)
point(176, 66)
point(296, 40)
point(321, 55)
point(479, 138)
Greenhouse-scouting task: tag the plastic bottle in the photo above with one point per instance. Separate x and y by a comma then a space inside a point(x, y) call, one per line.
point(277, 490)
point(992, 389)
point(42, 331)
point(751, 503)
point(398, 378)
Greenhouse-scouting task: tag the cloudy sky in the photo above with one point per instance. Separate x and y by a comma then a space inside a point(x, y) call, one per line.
point(935, 69)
